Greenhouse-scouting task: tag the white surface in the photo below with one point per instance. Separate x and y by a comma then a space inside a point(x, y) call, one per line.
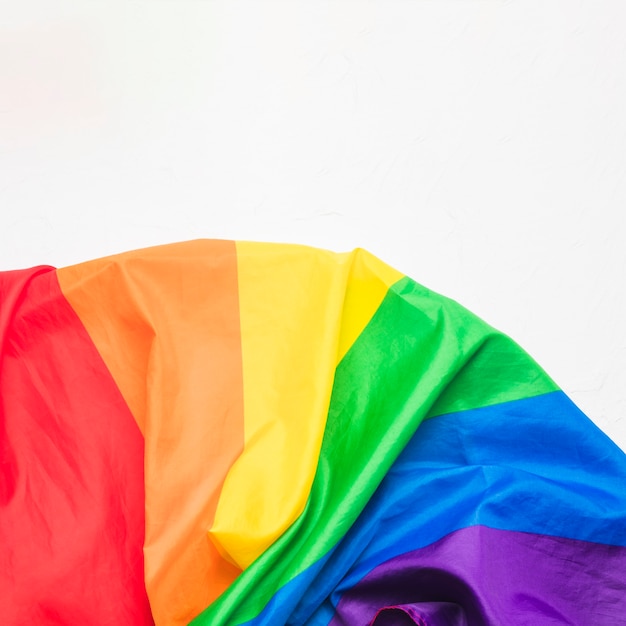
point(477, 146)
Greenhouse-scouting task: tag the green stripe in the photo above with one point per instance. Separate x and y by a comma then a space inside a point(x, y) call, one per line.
point(418, 351)
point(499, 371)
point(495, 369)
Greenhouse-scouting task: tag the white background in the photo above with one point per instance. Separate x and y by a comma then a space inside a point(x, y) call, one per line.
point(478, 146)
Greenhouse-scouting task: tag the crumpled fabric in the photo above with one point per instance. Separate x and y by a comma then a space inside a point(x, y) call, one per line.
point(229, 433)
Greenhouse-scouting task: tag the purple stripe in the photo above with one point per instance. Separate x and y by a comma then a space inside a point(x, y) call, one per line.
point(495, 577)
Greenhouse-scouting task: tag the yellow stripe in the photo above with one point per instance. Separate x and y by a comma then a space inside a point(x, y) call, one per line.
point(300, 311)
point(369, 281)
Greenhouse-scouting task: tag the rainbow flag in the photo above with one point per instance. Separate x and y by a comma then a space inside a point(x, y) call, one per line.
point(226, 433)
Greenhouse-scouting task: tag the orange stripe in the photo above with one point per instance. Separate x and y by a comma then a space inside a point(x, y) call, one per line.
point(166, 322)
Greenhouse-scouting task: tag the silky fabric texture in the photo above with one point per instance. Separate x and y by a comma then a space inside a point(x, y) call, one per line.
point(230, 433)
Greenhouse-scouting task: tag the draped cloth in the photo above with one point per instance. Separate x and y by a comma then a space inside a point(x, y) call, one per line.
point(228, 433)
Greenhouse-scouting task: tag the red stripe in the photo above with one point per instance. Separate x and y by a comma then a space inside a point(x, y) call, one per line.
point(71, 479)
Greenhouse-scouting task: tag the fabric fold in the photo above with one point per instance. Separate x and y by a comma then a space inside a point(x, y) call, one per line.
point(226, 433)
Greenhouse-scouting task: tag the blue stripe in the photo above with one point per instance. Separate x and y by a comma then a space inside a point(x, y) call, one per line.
point(534, 465)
